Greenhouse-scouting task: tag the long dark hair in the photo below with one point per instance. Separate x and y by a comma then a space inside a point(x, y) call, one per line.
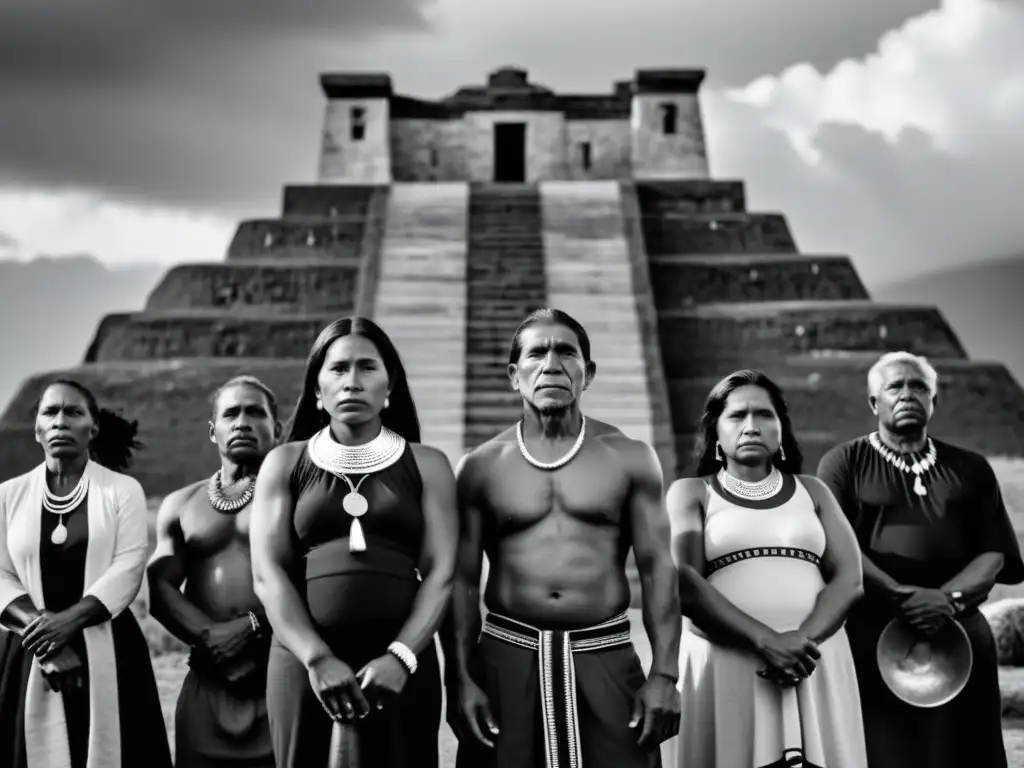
point(705, 461)
point(400, 416)
point(115, 444)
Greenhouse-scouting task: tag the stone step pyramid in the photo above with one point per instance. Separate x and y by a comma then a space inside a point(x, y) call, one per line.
point(425, 218)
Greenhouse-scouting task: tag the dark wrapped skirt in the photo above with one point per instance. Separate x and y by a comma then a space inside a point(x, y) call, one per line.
point(358, 602)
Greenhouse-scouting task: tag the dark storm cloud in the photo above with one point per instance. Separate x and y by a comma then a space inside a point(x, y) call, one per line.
point(122, 40)
point(196, 103)
point(215, 103)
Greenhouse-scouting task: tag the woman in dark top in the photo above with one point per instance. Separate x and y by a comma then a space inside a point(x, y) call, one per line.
point(353, 538)
point(73, 545)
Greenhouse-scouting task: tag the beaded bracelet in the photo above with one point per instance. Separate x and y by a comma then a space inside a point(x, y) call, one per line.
point(404, 654)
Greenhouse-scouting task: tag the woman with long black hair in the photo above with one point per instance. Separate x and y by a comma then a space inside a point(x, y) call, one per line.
point(354, 533)
point(77, 688)
point(768, 568)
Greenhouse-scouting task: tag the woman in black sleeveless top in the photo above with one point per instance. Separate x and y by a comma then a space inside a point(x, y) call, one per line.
point(354, 531)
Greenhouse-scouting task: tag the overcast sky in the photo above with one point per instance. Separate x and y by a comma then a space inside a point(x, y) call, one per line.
point(885, 129)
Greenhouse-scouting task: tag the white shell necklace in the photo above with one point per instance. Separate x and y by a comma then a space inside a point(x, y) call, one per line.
point(220, 502)
point(61, 505)
point(917, 467)
point(343, 460)
point(554, 464)
point(762, 489)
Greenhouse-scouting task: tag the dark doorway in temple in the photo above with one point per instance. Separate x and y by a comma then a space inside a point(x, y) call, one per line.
point(510, 152)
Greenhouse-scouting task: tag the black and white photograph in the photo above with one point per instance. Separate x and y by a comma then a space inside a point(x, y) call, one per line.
point(450, 384)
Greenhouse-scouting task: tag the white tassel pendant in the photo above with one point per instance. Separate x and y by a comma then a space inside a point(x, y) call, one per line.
point(356, 541)
point(919, 488)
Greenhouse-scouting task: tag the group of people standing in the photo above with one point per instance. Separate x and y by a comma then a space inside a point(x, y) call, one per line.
point(311, 573)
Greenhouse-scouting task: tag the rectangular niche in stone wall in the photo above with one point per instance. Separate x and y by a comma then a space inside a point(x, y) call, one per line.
point(585, 159)
point(357, 124)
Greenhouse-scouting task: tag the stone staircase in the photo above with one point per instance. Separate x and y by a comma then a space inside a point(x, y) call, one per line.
point(505, 282)
point(589, 276)
point(421, 302)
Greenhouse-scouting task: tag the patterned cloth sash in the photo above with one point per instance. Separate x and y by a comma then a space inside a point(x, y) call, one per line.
point(747, 554)
point(555, 649)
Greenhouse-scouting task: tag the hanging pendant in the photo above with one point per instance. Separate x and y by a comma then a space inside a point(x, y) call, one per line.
point(919, 488)
point(355, 504)
point(60, 534)
point(356, 541)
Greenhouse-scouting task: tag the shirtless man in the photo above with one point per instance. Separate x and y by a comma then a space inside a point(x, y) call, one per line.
point(203, 542)
point(556, 539)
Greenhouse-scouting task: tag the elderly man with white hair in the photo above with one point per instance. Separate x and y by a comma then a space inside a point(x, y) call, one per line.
point(935, 537)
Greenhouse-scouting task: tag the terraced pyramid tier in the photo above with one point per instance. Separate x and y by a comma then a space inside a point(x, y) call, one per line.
point(164, 335)
point(332, 201)
point(298, 238)
point(170, 400)
point(714, 339)
point(504, 282)
point(265, 286)
point(672, 233)
point(691, 196)
point(980, 404)
point(686, 280)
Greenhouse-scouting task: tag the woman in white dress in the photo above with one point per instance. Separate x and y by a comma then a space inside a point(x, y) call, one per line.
point(768, 568)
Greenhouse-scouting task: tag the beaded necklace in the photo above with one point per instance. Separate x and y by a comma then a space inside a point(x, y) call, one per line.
point(61, 505)
point(554, 464)
point(220, 502)
point(343, 460)
point(762, 489)
point(917, 466)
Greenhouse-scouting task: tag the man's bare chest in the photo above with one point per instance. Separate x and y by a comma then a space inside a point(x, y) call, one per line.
point(520, 494)
point(207, 530)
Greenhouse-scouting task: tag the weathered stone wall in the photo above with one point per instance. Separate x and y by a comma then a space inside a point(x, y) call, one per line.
point(424, 149)
point(295, 238)
point(659, 198)
point(329, 201)
point(659, 156)
point(673, 233)
point(713, 340)
point(290, 287)
point(366, 161)
point(610, 149)
point(141, 337)
point(171, 403)
point(545, 143)
point(427, 150)
point(683, 281)
point(465, 148)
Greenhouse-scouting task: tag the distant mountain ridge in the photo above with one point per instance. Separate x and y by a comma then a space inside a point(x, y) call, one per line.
point(50, 307)
point(983, 303)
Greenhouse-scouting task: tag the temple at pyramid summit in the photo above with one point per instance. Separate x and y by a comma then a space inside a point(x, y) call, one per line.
point(447, 221)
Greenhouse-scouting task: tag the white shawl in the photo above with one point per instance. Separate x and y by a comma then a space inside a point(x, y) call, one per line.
point(114, 566)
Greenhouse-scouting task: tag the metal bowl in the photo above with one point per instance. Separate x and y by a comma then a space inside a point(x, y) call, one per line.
point(924, 671)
